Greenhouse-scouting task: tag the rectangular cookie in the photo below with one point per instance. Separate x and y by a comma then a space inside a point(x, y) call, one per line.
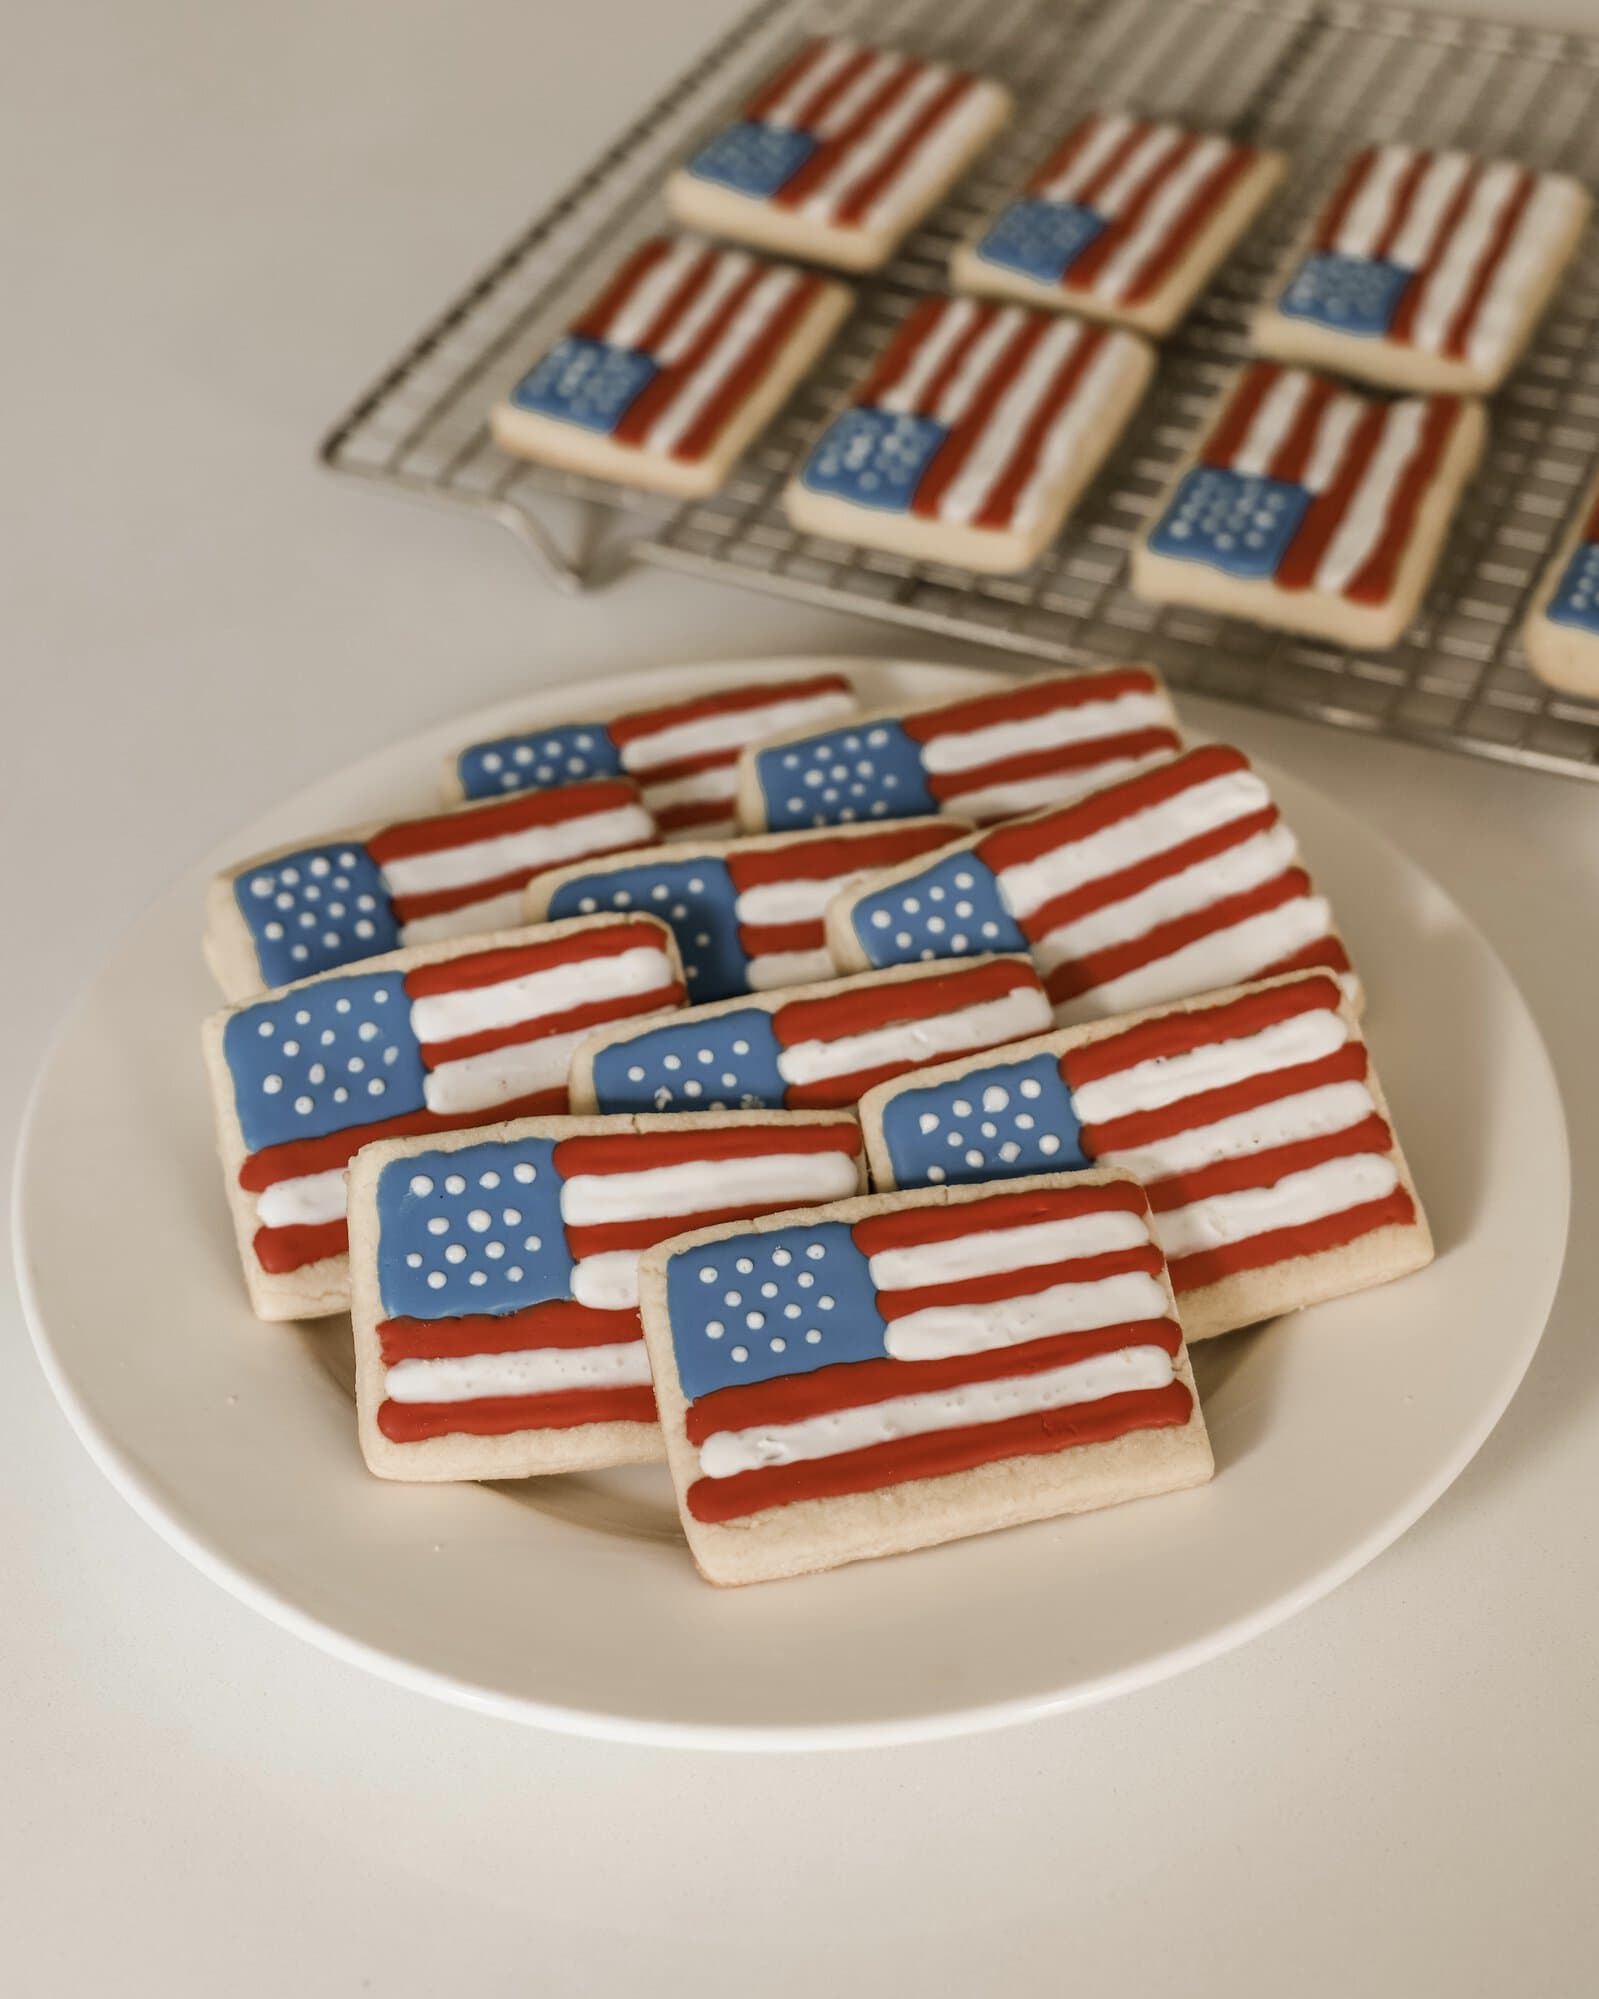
point(988, 757)
point(1165, 884)
point(839, 154)
point(1253, 1117)
point(316, 904)
point(1424, 270)
point(417, 1042)
point(1561, 635)
point(1312, 508)
point(747, 914)
point(683, 755)
point(810, 1047)
point(495, 1277)
point(948, 1362)
point(681, 362)
point(1126, 220)
point(974, 435)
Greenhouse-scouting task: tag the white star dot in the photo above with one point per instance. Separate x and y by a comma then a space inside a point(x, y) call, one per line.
point(436, 1280)
point(813, 1338)
point(524, 1173)
point(479, 1219)
point(781, 1257)
point(739, 1353)
point(414, 1260)
point(438, 1225)
point(272, 1085)
point(421, 1184)
point(454, 1184)
point(455, 1253)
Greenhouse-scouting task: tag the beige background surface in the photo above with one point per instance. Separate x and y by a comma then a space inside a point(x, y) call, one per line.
point(219, 223)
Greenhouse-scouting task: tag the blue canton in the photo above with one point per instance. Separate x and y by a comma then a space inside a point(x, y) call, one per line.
point(545, 757)
point(1576, 601)
point(1357, 295)
point(761, 1306)
point(696, 897)
point(586, 382)
point(873, 457)
point(993, 1123)
point(728, 1063)
point(318, 1061)
point(473, 1230)
point(310, 911)
point(1040, 239)
point(851, 772)
point(949, 909)
point(1236, 521)
point(753, 159)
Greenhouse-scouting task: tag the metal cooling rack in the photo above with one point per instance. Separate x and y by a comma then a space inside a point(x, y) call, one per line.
point(1316, 78)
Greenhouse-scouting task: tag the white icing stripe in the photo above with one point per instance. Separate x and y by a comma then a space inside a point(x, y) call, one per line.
point(1297, 1198)
point(791, 108)
point(702, 1185)
point(1248, 865)
point(792, 901)
point(1547, 216)
point(695, 789)
point(1001, 436)
point(607, 1282)
point(749, 323)
point(1272, 423)
point(789, 968)
point(1116, 356)
point(1142, 165)
point(730, 269)
point(1333, 432)
point(1225, 958)
point(1216, 1065)
point(1126, 1370)
point(643, 968)
point(981, 358)
point(1107, 135)
point(536, 1371)
point(943, 1330)
point(1198, 808)
point(501, 1075)
point(1360, 529)
point(1418, 232)
point(731, 731)
point(856, 96)
point(862, 159)
point(1010, 801)
point(1082, 722)
point(545, 846)
point(950, 326)
point(1445, 288)
point(929, 164)
point(987, 1024)
point(989, 1252)
point(302, 1203)
point(494, 912)
point(1125, 266)
point(632, 319)
point(1368, 213)
point(1311, 1114)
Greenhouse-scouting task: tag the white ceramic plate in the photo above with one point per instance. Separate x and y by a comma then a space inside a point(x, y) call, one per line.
point(572, 1602)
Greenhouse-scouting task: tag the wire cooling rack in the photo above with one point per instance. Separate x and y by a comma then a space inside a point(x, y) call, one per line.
point(1316, 78)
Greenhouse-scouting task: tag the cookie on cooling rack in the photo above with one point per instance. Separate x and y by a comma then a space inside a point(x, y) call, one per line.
point(1561, 635)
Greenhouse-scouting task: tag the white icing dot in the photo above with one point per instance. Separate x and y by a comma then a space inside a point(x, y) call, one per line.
point(1010, 1150)
point(262, 885)
point(755, 1320)
point(1049, 1144)
point(477, 1277)
point(355, 1065)
point(974, 1159)
point(524, 1173)
point(455, 1253)
point(693, 1089)
point(707, 1274)
point(274, 931)
point(961, 1108)
point(454, 1184)
point(928, 1121)
point(741, 1048)
point(367, 1031)
point(805, 1280)
point(317, 1073)
point(266, 1029)
point(488, 1179)
point(733, 1298)
point(1025, 1120)
point(1032, 1087)
point(479, 1219)
point(881, 919)
point(304, 1106)
point(965, 881)
point(436, 1280)
point(815, 1252)
point(533, 1244)
point(672, 1062)
point(635, 1074)
point(911, 905)
point(695, 885)
point(781, 1258)
point(494, 1249)
point(421, 1184)
point(341, 1095)
point(341, 1006)
point(995, 1098)
point(438, 1225)
point(327, 1037)
point(903, 939)
point(272, 1085)
point(514, 1272)
point(414, 1260)
point(714, 1329)
point(791, 1311)
point(291, 874)
point(588, 905)
point(291, 1047)
point(743, 1266)
point(739, 1353)
point(364, 929)
point(936, 1173)
point(778, 1345)
point(729, 1080)
point(813, 1338)
point(988, 1128)
point(511, 1217)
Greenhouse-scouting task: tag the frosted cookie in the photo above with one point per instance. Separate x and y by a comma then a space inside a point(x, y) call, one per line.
point(419, 1042)
point(682, 756)
point(974, 435)
point(989, 757)
point(811, 1048)
point(923, 1367)
point(1169, 883)
point(317, 904)
point(1126, 220)
point(681, 362)
point(1425, 270)
point(1253, 1117)
point(1561, 634)
point(1312, 508)
point(495, 1277)
point(839, 154)
point(748, 914)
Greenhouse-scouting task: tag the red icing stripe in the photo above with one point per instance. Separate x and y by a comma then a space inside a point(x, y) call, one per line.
point(857, 205)
point(282, 1250)
point(911, 1227)
point(897, 356)
point(1179, 1033)
point(809, 178)
point(606, 1238)
point(816, 107)
point(699, 812)
point(952, 454)
point(1112, 164)
point(1373, 582)
point(678, 301)
point(300, 1156)
point(1326, 955)
point(1041, 832)
point(517, 961)
point(1106, 889)
point(1243, 406)
point(464, 827)
point(952, 786)
point(643, 722)
point(1265, 1169)
point(1026, 702)
point(663, 389)
point(444, 901)
point(1399, 203)
point(804, 857)
point(1292, 456)
point(596, 321)
point(764, 940)
point(659, 774)
point(435, 1054)
point(638, 1151)
point(748, 371)
point(1179, 237)
point(1403, 325)
point(501, 1415)
point(1002, 1285)
point(1325, 514)
point(1336, 213)
point(1000, 505)
point(778, 85)
point(1348, 1064)
point(1064, 154)
point(834, 1017)
point(557, 1322)
point(1210, 1266)
point(1085, 269)
point(933, 390)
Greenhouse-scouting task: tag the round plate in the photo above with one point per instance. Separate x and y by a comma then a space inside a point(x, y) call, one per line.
point(572, 1601)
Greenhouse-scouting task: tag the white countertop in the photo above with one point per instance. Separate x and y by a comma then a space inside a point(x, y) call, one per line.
point(225, 220)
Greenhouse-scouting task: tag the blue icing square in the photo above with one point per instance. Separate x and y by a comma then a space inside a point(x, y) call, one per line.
point(873, 457)
point(565, 755)
point(757, 1307)
point(1235, 521)
point(585, 382)
point(318, 1061)
point(1357, 295)
point(1040, 239)
point(1576, 600)
point(949, 909)
point(856, 771)
point(997, 1122)
point(695, 896)
point(753, 159)
point(313, 910)
point(728, 1063)
point(473, 1230)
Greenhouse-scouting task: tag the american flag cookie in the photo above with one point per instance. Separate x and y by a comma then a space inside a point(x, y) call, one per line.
point(1561, 635)
point(813, 1047)
point(316, 904)
point(1166, 884)
point(990, 757)
point(1126, 220)
point(495, 1277)
point(839, 154)
point(748, 914)
point(682, 755)
point(1425, 270)
point(435, 1039)
point(680, 363)
point(1253, 1118)
point(974, 435)
point(1312, 508)
point(907, 1369)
